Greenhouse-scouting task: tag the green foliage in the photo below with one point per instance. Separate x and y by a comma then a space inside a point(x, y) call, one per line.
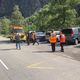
point(29, 24)
point(17, 18)
point(57, 14)
point(4, 25)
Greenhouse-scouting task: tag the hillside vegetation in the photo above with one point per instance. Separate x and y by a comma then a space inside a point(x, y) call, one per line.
point(56, 14)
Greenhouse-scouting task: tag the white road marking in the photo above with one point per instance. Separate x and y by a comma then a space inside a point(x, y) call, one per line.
point(3, 64)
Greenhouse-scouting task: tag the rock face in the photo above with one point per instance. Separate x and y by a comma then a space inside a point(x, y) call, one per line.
point(27, 7)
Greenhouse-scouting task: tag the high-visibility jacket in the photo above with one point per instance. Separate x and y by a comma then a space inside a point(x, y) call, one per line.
point(62, 38)
point(52, 39)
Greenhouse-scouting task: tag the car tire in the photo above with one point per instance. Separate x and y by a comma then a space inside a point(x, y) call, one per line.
point(76, 41)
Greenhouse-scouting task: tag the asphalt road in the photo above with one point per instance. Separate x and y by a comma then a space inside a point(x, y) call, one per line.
point(38, 62)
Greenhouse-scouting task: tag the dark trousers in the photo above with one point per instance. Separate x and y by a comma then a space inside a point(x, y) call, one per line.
point(28, 41)
point(53, 47)
point(35, 41)
point(18, 46)
point(62, 47)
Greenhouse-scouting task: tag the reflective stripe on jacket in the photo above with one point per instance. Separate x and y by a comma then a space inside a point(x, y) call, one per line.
point(62, 38)
point(52, 39)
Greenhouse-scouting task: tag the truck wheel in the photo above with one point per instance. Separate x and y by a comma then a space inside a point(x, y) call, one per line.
point(10, 39)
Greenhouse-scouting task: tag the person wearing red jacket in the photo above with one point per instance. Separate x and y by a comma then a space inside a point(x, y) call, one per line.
point(62, 41)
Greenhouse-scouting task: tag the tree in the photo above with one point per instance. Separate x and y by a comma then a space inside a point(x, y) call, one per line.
point(57, 14)
point(64, 13)
point(29, 26)
point(5, 24)
point(17, 18)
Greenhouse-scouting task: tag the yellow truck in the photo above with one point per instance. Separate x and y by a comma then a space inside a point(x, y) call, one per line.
point(17, 29)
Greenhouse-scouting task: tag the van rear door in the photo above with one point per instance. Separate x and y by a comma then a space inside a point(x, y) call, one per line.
point(79, 34)
point(68, 33)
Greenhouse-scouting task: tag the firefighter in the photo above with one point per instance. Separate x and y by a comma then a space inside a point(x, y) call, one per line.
point(53, 41)
point(62, 41)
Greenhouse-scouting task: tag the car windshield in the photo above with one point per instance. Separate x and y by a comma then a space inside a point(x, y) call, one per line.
point(39, 33)
point(57, 33)
point(66, 31)
point(47, 33)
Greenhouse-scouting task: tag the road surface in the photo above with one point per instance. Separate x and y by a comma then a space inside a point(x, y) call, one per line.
point(38, 62)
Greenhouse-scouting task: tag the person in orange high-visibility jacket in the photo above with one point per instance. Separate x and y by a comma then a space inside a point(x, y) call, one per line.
point(53, 40)
point(62, 41)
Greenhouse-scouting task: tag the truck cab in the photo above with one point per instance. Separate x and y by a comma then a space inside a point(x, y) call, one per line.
point(17, 29)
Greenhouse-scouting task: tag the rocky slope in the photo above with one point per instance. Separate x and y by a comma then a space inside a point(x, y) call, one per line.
point(27, 7)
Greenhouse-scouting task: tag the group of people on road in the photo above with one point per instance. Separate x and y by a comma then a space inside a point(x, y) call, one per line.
point(32, 37)
point(53, 41)
point(29, 37)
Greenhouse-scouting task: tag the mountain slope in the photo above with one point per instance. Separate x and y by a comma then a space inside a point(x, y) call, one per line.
point(27, 7)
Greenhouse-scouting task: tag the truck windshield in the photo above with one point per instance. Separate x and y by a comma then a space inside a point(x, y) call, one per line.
point(18, 31)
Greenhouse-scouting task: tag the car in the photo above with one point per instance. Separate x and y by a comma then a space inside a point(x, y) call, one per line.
point(40, 36)
point(47, 35)
point(72, 35)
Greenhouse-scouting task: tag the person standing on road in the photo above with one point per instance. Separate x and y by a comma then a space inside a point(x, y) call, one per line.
point(62, 41)
point(53, 40)
point(17, 40)
point(28, 38)
point(34, 40)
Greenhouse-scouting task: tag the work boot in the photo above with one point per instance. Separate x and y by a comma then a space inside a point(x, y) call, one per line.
point(62, 50)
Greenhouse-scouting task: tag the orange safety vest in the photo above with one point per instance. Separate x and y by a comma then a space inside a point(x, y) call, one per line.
point(62, 38)
point(52, 39)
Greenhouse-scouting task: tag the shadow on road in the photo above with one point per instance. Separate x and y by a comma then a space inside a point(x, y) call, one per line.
point(7, 49)
point(46, 52)
point(74, 52)
point(5, 42)
point(74, 56)
point(42, 51)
